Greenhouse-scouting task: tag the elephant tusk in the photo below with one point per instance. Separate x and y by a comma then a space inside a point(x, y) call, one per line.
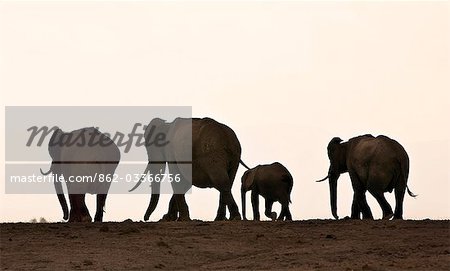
point(142, 177)
point(48, 172)
point(322, 179)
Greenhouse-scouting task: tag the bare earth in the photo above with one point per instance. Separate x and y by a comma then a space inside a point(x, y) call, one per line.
point(299, 245)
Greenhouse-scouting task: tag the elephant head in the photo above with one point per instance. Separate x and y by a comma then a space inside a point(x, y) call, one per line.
point(156, 155)
point(54, 148)
point(337, 153)
point(247, 184)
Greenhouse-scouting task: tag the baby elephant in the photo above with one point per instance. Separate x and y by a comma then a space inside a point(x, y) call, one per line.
point(274, 183)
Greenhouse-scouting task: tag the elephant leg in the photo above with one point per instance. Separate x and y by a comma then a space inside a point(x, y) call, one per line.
point(85, 216)
point(182, 207)
point(232, 206)
point(101, 199)
point(222, 182)
point(172, 213)
point(268, 212)
point(359, 197)
point(282, 214)
point(221, 211)
point(255, 205)
point(356, 211)
point(78, 209)
point(231, 203)
point(362, 202)
point(287, 213)
point(387, 210)
point(399, 196)
point(226, 199)
point(74, 213)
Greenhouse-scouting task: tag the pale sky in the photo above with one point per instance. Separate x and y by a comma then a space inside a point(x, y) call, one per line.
point(287, 77)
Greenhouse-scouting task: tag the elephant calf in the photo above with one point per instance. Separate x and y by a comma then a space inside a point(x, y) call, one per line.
point(274, 183)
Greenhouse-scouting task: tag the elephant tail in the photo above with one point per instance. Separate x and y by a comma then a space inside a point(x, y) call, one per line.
point(405, 171)
point(411, 194)
point(242, 163)
point(287, 178)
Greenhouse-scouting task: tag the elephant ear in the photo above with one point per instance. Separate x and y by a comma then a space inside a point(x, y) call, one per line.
point(248, 179)
point(332, 145)
point(155, 127)
point(154, 124)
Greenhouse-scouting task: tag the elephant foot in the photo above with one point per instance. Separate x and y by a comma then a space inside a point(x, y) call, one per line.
point(236, 217)
point(184, 218)
point(167, 218)
point(285, 217)
point(80, 218)
point(273, 216)
point(86, 218)
point(388, 217)
point(98, 218)
point(220, 218)
point(147, 216)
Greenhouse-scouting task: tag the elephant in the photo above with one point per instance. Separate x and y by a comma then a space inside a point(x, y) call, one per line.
point(274, 183)
point(205, 152)
point(375, 164)
point(85, 153)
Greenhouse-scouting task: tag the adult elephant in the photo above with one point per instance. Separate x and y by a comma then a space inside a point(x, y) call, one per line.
point(83, 157)
point(204, 152)
point(375, 164)
point(274, 183)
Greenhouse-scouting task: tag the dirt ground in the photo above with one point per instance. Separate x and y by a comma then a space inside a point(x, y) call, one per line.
point(299, 245)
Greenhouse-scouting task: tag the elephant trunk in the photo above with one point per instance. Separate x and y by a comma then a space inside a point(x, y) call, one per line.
point(59, 190)
point(154, 198)
point(243, 192)
point(333, 196)
point(63, 202)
